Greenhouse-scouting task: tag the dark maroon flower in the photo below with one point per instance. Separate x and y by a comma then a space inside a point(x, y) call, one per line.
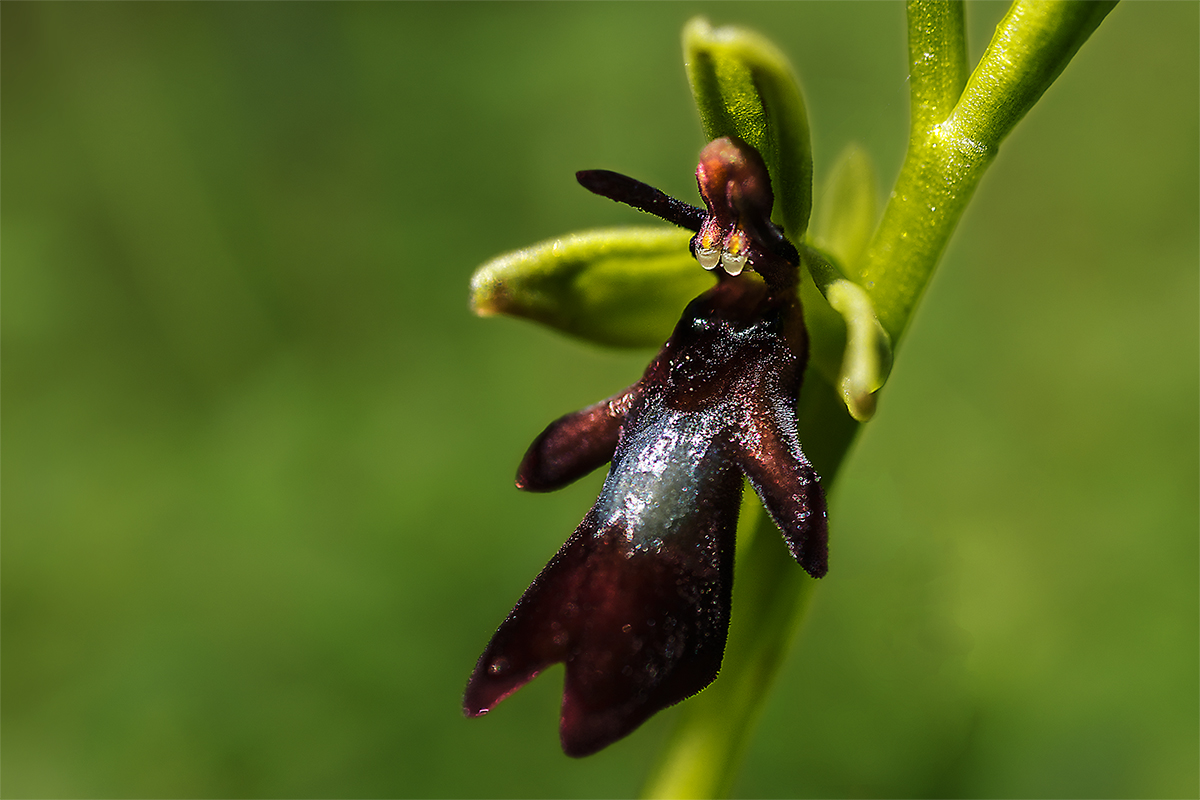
point(636, 603)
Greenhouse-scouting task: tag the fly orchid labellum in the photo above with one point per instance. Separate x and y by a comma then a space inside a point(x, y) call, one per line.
point(637, 602)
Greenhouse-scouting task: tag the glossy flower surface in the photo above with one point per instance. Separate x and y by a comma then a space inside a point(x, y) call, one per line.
point(636, 603)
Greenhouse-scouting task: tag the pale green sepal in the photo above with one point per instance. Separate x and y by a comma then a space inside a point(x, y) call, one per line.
point(745, 87)
point(623, 287)
point(848, 210)
point(867, 358)
point(826, 331)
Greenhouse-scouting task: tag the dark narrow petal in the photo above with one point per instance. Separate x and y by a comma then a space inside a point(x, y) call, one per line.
point(574, 445)
point(790, 489)
point(644, 197)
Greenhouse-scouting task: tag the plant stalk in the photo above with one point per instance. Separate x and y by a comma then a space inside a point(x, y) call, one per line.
point(957, 126)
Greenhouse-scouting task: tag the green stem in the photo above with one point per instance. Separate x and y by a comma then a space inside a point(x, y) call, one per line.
point(937, 57)
point(947, 157)
point(955, 133)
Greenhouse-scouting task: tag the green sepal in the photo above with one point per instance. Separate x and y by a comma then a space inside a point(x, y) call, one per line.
point(826, 331)
point(866, 358)
point(622, 287)
point(848, 210)
point(847, 346)
point(744, 87)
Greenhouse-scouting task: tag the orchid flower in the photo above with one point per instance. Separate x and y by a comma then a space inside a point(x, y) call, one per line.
point(637, 602)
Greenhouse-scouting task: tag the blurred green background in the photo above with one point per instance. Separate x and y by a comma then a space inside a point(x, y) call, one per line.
point(258, 516)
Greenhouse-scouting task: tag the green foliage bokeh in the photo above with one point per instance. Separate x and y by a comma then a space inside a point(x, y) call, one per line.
point(258, 515)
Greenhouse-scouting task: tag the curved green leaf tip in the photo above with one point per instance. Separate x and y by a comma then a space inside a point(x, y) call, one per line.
point(744, 87)
point(867, 356)
point(622, 287)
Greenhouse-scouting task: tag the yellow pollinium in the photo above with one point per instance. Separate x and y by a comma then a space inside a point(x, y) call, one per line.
point(737, 242)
